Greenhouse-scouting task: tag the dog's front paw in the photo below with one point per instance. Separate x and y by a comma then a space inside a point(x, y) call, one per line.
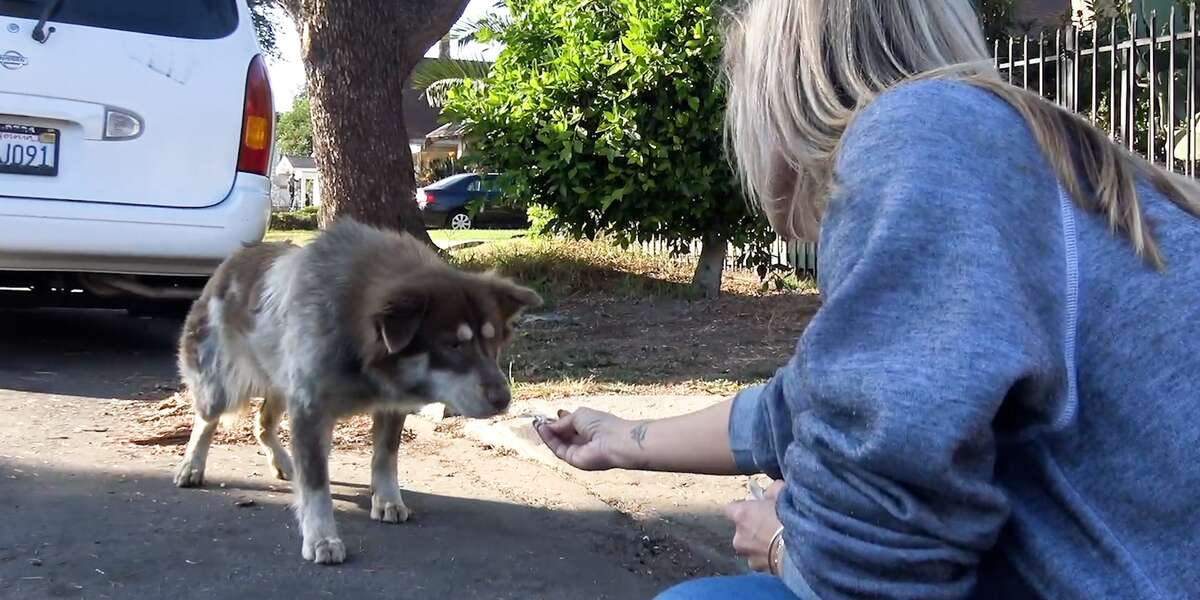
point(189, 474)
point(324, 551)
point(389, 508)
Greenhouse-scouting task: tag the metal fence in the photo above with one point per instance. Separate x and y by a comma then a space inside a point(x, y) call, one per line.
point(799, 257)
point(1133, 76)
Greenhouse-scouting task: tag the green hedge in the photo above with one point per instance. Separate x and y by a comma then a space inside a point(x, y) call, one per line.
point(305, 218)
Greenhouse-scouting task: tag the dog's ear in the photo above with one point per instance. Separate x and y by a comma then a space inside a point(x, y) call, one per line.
point(513, 299)
point(398, 323)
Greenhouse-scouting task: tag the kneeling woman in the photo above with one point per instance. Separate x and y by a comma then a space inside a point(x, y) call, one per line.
point(1000, 396)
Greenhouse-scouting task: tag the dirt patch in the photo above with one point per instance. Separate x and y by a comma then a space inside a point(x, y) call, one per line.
point(612, 345)
point(168, 424)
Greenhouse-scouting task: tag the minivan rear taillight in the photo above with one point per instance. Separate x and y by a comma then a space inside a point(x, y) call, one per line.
point(258, 121)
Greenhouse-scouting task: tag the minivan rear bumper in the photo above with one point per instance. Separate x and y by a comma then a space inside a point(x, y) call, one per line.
point(50, 235)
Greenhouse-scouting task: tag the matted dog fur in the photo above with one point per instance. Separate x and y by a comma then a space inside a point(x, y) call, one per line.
point(360, 320)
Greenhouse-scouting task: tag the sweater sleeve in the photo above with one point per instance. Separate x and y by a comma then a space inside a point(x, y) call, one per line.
point(943, 277)
point(760, 423)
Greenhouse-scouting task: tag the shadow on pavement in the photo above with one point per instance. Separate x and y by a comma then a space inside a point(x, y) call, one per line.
point(100, 535)
point(87, 353)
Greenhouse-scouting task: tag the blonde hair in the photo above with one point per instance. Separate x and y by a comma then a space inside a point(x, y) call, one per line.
point(800, 70)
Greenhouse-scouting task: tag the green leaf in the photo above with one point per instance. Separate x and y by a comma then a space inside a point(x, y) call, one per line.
point(610, 112)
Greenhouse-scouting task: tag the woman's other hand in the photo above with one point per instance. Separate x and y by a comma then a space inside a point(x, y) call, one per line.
point(756, 524)
point(593, 440)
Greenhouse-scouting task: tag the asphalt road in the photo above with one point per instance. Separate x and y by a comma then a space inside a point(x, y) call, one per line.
point(85, 514)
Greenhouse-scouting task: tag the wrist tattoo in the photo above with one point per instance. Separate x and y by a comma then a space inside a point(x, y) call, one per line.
point(638, 434)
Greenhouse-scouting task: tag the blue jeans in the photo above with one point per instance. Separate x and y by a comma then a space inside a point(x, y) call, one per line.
point(740, 587)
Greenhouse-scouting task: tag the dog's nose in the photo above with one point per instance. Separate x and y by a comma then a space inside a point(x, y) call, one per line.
point(499, 397)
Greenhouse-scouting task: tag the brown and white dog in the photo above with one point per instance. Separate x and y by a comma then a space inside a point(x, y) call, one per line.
point(360, 320)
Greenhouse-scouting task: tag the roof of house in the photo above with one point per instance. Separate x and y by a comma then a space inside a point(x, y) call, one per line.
point(301, 162)
point(419, 117)
point(447, 131)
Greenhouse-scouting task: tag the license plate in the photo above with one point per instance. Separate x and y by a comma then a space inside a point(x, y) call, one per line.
point(28, 150)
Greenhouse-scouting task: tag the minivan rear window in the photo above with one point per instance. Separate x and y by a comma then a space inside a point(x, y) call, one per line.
point(192, 19)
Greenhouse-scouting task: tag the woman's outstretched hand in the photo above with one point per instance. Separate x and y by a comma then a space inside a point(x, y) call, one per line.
point(592, 440)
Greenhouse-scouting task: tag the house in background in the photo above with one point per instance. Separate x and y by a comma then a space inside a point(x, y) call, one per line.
point(420, 119)
point(442, 141)
point(298, 182)
point(445, 142)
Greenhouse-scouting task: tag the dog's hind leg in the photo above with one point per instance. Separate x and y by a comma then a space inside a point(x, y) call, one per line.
point(266, 430)
point(311, 436)
point(386, 504)
point(190, 472)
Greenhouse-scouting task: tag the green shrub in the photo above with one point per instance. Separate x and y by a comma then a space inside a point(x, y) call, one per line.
point(539, 219)
point(441, 168)
point(305, 218)
point(610, 112)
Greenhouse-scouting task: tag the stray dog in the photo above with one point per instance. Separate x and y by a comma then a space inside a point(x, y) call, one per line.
point(360, 320)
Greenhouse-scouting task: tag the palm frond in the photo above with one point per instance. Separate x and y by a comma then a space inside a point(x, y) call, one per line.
point(432, 70)
point(437, 91)
point(470, 30)
point(495, 20)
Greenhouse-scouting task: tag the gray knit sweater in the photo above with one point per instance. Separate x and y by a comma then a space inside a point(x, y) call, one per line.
point(998, 398)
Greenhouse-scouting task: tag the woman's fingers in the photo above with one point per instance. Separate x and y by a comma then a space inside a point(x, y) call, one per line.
point(755, 522)
point(775, 488)
point(564, 426)
point(578, 438)
point(746, 545)
point(565, 442)
point(551, 438)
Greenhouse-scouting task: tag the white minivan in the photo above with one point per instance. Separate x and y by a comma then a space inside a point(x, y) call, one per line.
point(135, 147)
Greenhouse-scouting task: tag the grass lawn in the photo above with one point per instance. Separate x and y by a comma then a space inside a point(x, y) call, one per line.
point(441, 237)
point(297, 236)
point(624, 322)
point(474, 235)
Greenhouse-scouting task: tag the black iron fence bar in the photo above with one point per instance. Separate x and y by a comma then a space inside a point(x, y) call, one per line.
point(1041, 61)
point(1131, 107)
point(1170, 150)
point(1191, 96)
point(1025, 56)
point(1095, 74)
point(1152, 104)
point(1074, 89)
point(1010, 57)
point(1112, 82)
point(1058, 81)
point(1141, 42)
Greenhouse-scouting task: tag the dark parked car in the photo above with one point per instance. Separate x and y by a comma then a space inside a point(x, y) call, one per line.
point(469, 200)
